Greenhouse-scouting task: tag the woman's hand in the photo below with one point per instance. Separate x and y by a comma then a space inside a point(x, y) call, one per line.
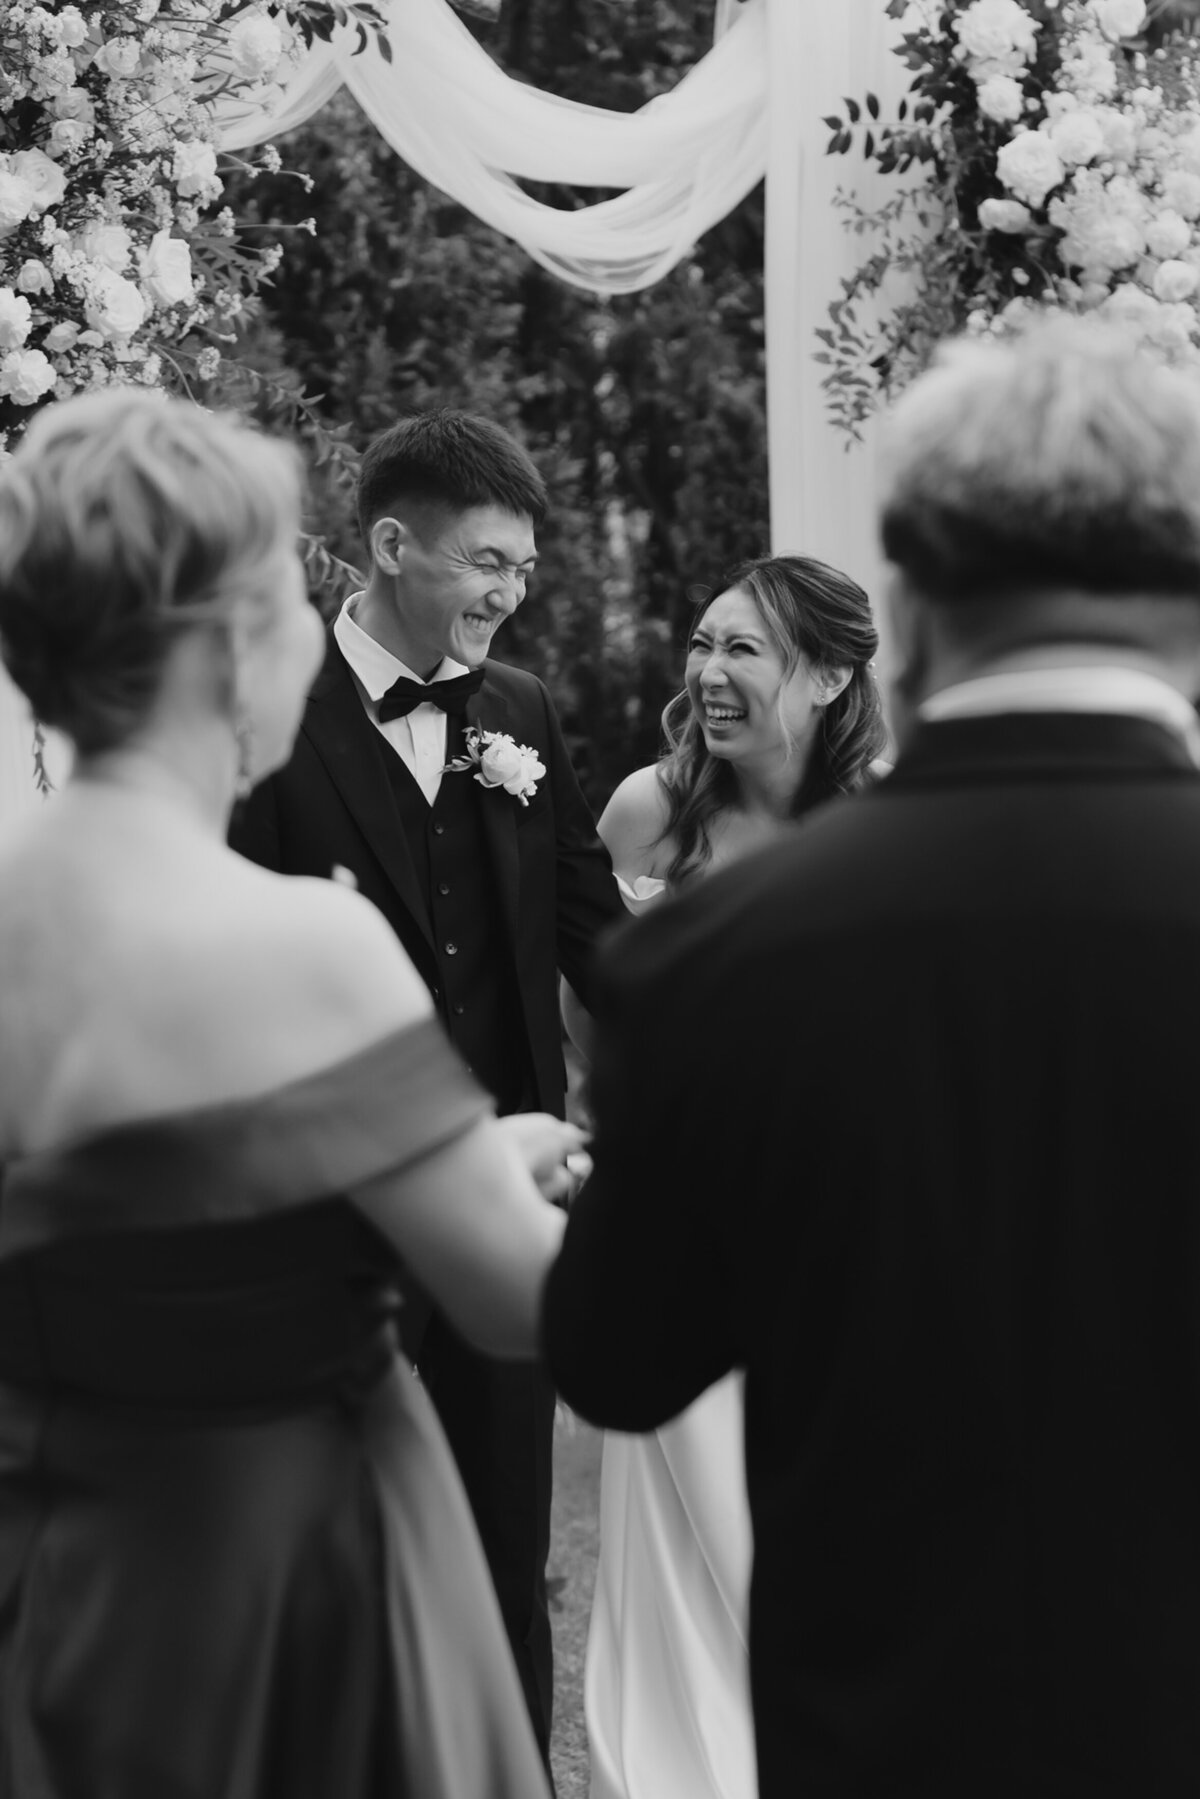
point(552, 1150)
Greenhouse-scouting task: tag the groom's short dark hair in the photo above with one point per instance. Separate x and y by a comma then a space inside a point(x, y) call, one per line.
point(446, 462)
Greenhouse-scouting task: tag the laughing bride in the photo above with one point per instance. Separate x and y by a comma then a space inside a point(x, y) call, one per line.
point(779, 712)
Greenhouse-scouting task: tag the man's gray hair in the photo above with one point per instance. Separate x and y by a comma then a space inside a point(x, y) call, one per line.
point(1064, 457)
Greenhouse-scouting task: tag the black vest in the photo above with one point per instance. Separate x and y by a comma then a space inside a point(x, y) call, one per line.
point(474, 983)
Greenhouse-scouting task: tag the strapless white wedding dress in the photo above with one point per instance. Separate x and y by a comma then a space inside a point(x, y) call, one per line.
point(666, 1688)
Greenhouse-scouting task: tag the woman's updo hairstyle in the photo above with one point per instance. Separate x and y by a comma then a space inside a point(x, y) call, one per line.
point(125, 518)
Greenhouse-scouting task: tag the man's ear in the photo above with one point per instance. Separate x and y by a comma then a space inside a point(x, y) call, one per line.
point(389, 541)
point(911, 652)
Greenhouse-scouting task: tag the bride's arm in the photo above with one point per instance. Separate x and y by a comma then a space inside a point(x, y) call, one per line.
point(631, 829)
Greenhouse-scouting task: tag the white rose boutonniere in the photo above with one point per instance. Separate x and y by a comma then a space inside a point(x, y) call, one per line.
point(499, 762)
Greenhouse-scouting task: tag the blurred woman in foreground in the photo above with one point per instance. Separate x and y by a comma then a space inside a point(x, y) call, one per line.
point(235, 1560)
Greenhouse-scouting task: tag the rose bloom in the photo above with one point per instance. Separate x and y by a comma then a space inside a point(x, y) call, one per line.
point(997, 29)
point(73, 103)
point(255, 44)
point(116, 308)
point(34, 277)
point(44, 176)
point(1029, 166)
point(1001, 98)
point(1100, 243)
point(1005, 215)
point(109, 245)
point(1120, 135)
point(1120, 18)
point(195, 168)
point(1181, 192)
point(1077, 137)
point(1175, 281)
point(61, 337)
point(512, 766)
point(1130, 307)
point(1173, 327)
point(70, 135)
point(72, 27)
point(25, 375)
point(16, 319)
point(1168, 235)
point(120, 56)
point(17, 201)
point(167, 270)
point(1090, 70)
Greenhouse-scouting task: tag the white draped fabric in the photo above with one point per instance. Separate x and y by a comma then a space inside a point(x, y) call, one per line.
point(751, 107)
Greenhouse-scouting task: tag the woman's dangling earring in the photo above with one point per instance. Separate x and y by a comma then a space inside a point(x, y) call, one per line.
point(243, 736)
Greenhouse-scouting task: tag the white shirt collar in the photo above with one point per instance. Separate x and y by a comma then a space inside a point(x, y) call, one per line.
point(1130, 692)
point(375, 667)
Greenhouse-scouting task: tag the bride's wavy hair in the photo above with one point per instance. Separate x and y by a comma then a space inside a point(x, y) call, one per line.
point(815, 615)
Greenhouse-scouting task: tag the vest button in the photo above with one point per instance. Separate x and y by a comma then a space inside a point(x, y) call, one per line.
point(452, 949)
point(459, 1010)
point(439, 830)
point(443, 887)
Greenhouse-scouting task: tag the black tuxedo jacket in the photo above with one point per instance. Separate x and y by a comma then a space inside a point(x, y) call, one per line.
point(332, 805)
point(903, 1117)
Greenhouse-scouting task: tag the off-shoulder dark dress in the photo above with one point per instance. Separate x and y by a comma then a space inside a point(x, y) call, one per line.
point(235, 1558)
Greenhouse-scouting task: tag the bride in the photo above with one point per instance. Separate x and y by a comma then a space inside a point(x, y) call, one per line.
point(779, 712)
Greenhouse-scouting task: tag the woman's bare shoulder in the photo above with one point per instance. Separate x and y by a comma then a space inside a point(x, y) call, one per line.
point(634, 823)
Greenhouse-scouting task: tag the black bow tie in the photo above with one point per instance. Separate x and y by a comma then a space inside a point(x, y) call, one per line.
point(449, 696)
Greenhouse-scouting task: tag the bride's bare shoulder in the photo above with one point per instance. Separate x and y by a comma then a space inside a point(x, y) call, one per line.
point(634, 823)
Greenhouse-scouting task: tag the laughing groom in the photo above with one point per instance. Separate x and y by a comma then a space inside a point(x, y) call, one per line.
point(492, 884)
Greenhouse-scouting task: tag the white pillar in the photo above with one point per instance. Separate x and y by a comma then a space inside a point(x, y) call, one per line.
point(822, 487)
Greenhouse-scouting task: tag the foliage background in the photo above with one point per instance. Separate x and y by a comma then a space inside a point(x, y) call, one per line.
point(645, 413)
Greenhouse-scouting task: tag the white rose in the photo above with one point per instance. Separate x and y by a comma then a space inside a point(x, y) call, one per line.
point(69, 135)
point(1120, 137)
point(1173, 327)
point(25, 375)
point(1077, 137)
point(34, 277)
point(255, 44)
point(61, 337)
point(72, 27)
point(1091, 70)
point(1130, 307)
point(120, 56)
point(1120, 18)
point(17, 202)
point(195, 167)
point(1029, 166)
point(1175, 281)
point(43, 175)
point(73, 103)
point(513, 766)
point(997, 29)
point(109, 245)
point(1168, 235)
point(16, 319)
point(1181, 192)
point(167, 270)
point(1102, 243)
point(116, 308)
point(1002, 99)
point(1004, 215)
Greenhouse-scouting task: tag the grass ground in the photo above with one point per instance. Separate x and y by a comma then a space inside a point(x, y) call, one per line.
point(575, 1538)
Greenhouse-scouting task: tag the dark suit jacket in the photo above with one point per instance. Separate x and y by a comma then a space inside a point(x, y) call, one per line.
point(903, 1117)
point(332, 804)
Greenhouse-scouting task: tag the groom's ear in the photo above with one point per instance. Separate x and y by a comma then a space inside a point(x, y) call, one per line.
point(388, 542)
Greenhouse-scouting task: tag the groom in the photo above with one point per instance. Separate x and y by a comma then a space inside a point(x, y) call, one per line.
point(491, 888)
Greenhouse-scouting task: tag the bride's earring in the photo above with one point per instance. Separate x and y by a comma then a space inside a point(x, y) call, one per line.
point(243, 736)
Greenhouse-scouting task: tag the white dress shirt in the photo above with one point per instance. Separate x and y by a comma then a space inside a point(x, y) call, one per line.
point(419, 739)
point(1128, 692)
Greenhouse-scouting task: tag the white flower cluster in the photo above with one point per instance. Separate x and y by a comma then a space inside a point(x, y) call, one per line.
point(102, 203)
point(1103, 169)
